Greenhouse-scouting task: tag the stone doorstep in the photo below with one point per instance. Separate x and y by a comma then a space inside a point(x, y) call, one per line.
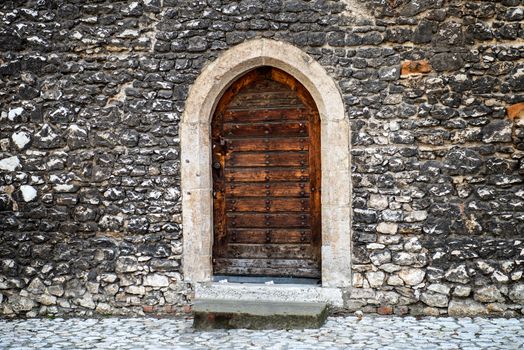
point(279, 293)
point(228, 314)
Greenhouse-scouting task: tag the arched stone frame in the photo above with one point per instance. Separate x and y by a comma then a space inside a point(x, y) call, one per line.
point(195, 139)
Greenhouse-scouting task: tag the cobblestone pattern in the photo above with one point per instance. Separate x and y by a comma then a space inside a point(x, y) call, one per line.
point(338, 333)
point(89, 151)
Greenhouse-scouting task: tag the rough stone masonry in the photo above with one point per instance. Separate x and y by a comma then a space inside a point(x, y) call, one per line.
point(91, 95)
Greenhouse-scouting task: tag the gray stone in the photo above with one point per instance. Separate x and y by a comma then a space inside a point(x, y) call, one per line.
point(390, 267)
point(457, 274)
point(380, 257)
point(497, 131)
point(46, 299)
point(500, 277)
point(403, 258)
point(413, 245)
point(446, 62)
point(462, 291)
point(466, 308)
point(20, 303)
point(36, 286)
point(389, 73)
point(412, 277)
point(440, 288)
point(463, 161)
point(375, 279)
point(111, 289)
point(434, 299)
point(86, 301)
point(104, 308)
point(127, 264)
point(414, 216)
point(395, 280)
point(197, 44)
point(378, 202)
point(488, 294)
point(387, 228)
point(516, 293)
point(10, 163)
point(365, 215)
point(138, 290)
point(156, 280)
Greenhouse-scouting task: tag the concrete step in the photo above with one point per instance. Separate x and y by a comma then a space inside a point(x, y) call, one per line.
point(297, 293)
point(227, 314)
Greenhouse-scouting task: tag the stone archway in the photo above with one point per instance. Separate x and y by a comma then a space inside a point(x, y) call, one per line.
point(195, 138)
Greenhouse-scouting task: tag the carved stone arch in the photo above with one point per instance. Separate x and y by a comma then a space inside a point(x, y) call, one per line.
point(195, 138)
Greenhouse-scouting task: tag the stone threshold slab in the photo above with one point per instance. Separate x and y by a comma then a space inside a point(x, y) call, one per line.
point(291, 293)
point(236, 314)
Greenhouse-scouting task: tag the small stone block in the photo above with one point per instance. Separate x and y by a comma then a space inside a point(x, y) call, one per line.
point(515, 111)
point(385, 310)
point(415, 67)
point(236, 314)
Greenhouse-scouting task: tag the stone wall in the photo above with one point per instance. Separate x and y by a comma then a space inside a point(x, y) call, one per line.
point(91, 98)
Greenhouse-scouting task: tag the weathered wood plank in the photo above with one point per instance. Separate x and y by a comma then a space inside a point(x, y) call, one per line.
point(268, 174)
point(265, 115)
point(219, 183)
point(268, 144)
point(268, 267)
point(269, 251)
point(315, 182)
point(276, 236)
point(237, 220)
point(297, 271)
point(268, 204)
point(267, 159)
point(270, 189)
point(269, 129)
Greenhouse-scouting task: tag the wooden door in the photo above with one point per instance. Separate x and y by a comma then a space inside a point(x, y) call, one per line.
point(266, 178)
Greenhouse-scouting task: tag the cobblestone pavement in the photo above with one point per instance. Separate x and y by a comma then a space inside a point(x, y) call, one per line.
point(338, 333)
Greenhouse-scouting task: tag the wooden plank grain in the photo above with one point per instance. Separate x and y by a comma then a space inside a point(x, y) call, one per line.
point(268, 251)
point(265, 115)
point(266, 100)
point(275, 236)
point(267, 204)
point(268, 267)
point(219, 203)
point(307, 263)
point(267, 144)
point(268, 189)
point(268, 129)
point(268, 220)
point(315, 183)
point(265, 174)
point(267, 159)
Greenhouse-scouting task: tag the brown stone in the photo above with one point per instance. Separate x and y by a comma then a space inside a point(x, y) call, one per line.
point(415, 67)
point(148, 308)
point(401, 310)
point(169, 309)
point(385, 310)
point(515, 111)
point(187, 309)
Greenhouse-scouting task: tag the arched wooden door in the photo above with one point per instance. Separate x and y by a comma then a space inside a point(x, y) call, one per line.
point(266, 178)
